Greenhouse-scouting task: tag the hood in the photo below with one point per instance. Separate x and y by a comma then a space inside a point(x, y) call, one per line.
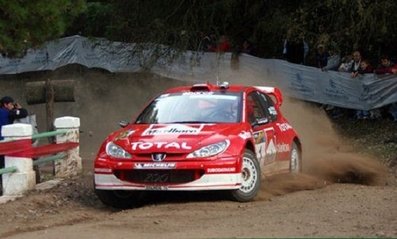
point(172, 138)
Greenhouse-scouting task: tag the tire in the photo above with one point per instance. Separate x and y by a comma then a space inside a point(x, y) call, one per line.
point(121, 199)
point(251, 175)
point(295, 163)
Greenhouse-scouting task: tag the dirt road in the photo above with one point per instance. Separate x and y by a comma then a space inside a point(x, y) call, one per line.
point(341, 193)
point(71, 210)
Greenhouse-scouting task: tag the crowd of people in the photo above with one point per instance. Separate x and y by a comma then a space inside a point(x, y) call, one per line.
point(211, 43)
point(356, 65)
point(297, 51)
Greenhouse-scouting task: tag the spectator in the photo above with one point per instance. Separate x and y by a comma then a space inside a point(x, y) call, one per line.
point(305, 50)
point(365, 67)
point(347, 62)
point(205, 42)
point(248, 48)
point(355, 64)
point(294, 51)
point(9, 111)
point(223, 44)
point(321, 57)
point(386, 66)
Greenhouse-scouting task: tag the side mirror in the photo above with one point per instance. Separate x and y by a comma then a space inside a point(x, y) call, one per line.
point(123, 123)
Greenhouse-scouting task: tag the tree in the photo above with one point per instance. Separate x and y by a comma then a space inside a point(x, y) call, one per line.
point(346, 25)
point(25, 24)
point(343, 25)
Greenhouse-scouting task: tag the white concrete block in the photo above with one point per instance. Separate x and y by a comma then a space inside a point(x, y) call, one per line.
point(17, 130)
point(67, 122)
point(18, 183)
point(22, 164)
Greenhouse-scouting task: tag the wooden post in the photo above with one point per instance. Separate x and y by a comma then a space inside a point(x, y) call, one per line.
point(49, 99)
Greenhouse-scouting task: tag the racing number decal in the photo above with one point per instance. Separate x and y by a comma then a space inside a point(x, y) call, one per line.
point(265, 148)
point(260, 145)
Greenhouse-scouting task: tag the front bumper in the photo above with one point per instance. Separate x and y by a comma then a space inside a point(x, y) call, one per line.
point(192, 175)
point(206, 182)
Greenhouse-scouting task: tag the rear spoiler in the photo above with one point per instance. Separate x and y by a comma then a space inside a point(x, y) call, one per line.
point(274, 91)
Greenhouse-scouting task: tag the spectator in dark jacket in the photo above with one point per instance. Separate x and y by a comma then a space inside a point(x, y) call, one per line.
point(321, 57)
point(10, 111)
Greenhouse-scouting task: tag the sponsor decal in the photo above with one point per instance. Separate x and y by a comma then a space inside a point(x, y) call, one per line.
point(272, 110)
point(124, 134)
point(154, 165)
point(173, 129)
point(281, 148)
point(221, 170)
point(159, 145)
point(245, 134)
point(156, 187)
point(260, 144)
point(284, 126)
point(271, 151)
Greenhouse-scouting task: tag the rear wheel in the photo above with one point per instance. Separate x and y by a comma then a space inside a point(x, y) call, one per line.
point(251, 178)
point(119, 198)
point(295, 159)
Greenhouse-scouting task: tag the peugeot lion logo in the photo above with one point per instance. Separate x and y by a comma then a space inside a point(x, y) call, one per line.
point(158, 157)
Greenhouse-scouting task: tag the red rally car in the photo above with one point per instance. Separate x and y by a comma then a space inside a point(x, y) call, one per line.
point(200, 137)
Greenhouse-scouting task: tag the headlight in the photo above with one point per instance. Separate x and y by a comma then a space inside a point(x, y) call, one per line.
point(116, 151)
point(210, 150)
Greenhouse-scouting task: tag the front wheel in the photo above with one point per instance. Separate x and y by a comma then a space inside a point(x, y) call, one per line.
point(119, 198)
point(251, 178)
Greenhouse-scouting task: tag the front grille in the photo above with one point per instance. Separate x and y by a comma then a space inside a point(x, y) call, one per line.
point(159, 176)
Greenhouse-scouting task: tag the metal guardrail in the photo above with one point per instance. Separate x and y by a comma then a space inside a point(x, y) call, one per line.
point(39, 161)
point(41, 135)
point(49, 133)
point(11, 169)
point(49, 159)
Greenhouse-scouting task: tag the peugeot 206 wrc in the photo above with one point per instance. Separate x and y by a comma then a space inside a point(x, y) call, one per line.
point(200, 137)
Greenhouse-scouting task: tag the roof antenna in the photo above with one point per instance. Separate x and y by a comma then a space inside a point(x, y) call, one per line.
point(218, 59)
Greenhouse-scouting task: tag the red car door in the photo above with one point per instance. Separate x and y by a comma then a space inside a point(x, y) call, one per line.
point(263, 132)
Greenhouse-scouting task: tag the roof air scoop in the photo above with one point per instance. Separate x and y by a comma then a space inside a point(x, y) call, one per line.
point(224, 85)
point(200, 87)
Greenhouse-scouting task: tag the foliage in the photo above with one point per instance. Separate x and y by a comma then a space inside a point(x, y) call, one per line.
point(25, 24)
point(345, 25)
point(342, 25)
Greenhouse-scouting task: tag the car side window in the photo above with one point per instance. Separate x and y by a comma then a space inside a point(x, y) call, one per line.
point(268, 105)
point(255, 112)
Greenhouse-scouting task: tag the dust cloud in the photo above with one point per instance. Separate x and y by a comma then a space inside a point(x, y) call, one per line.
point(103, 99)
point(327, 157)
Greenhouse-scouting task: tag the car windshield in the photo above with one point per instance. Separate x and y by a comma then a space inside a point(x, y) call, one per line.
point(193, 107)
